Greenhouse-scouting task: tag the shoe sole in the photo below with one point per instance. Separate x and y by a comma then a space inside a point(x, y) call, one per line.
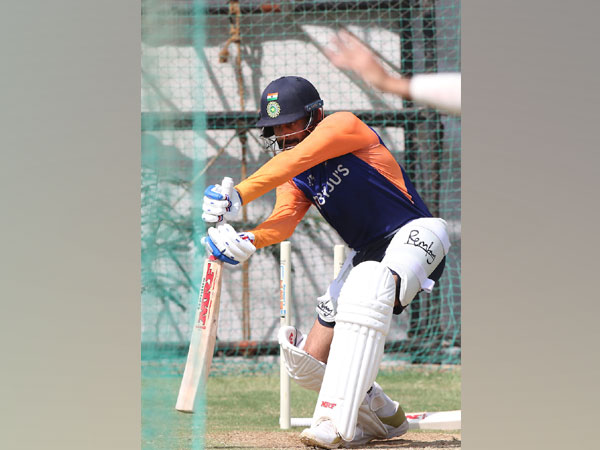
point(394, 432)
point(308, 441)
point(402, 429)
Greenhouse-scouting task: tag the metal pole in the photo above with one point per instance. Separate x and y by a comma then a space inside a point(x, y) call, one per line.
point(285, 309)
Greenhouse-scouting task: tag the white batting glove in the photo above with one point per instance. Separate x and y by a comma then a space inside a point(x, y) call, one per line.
point(217, 206)
point(228, 245)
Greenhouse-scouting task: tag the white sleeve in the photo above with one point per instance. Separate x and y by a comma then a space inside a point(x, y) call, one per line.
point(438, 90)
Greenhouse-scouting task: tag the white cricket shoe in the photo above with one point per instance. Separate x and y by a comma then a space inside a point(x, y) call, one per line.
point(322, 435)
point(361, 437)
point(396, 425)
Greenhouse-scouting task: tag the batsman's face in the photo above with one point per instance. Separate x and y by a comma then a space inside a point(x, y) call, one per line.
point(291, 134)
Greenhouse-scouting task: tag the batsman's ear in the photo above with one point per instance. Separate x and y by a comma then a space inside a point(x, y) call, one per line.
point(267, 132)
point(320, 115)
point(316, 118)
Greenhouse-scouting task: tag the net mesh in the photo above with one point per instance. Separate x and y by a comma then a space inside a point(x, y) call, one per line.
point(204, 66)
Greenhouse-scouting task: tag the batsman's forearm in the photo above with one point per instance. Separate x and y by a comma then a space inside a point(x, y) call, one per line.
point(270, 236)
point(278, 227)
point(290, 207)
point(398, 86)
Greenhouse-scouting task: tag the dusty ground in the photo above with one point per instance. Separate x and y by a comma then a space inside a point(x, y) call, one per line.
point(286, 441)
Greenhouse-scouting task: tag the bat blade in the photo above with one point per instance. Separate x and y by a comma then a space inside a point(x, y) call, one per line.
point(204, 334)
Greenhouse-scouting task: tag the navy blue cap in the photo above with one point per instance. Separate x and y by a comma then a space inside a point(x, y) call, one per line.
point(286, 100)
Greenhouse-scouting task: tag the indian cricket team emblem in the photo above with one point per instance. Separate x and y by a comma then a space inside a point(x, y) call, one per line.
point(311, 180)
point(273, 109)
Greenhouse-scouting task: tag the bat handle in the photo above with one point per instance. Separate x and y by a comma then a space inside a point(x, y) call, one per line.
point(226, 189)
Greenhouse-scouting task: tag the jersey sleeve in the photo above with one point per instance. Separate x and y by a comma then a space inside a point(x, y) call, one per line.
point(336, 135)
point(290, 207)
point(439, 90)
point(383, 161)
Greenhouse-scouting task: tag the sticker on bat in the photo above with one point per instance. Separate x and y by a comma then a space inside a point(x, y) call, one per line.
point(207, 285)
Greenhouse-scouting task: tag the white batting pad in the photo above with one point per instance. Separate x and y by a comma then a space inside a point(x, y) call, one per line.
point(414, 253)
point(306, 370)
point(362, 323)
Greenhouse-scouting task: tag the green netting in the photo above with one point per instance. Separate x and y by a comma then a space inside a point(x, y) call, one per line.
point(204, 66)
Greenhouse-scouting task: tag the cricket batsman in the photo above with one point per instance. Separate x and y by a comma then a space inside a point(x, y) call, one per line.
point(342, 167)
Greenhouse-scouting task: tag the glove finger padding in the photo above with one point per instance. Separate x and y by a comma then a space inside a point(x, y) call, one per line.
point(213, 208)
point(211, 218)
point(229, 246)
point(217, 206)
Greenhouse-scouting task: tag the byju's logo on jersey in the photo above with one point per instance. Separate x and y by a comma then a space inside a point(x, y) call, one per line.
point(334, 180)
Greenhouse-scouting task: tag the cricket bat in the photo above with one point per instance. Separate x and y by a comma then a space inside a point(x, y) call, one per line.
point(204, 332)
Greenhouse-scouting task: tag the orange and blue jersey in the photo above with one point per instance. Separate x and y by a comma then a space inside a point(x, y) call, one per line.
point(344, 169)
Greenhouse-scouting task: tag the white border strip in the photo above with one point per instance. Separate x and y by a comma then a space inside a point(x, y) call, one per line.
point(442, 420)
